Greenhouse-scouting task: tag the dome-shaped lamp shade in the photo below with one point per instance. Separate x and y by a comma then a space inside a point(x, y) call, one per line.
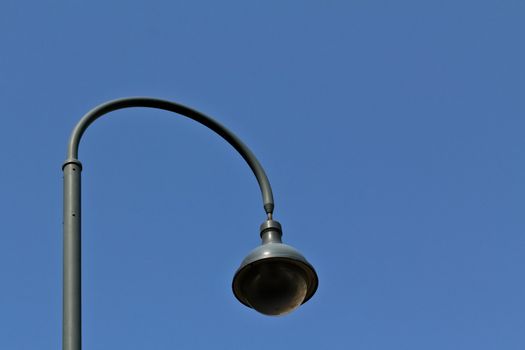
point(274, 278)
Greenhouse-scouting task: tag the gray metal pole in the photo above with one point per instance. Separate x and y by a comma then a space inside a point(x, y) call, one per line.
point(71, 308)
point(71, 337)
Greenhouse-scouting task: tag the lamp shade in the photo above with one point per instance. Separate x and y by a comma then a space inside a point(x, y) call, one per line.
point(274, 278)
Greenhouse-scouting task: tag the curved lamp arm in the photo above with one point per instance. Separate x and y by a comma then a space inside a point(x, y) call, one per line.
point(226, 134)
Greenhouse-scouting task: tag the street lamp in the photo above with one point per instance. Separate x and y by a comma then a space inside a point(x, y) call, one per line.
point(274, 278)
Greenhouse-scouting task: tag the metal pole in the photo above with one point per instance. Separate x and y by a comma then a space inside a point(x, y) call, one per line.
point(71, 336)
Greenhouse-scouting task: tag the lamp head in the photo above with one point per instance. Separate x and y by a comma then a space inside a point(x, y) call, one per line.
point(274, 278)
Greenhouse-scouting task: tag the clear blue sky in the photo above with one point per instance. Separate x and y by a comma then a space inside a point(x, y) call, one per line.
point(391, 131)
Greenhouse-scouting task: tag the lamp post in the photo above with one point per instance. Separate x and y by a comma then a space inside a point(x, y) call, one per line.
point(274, 278)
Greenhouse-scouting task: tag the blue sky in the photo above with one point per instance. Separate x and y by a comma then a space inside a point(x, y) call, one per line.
point(391, 131)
